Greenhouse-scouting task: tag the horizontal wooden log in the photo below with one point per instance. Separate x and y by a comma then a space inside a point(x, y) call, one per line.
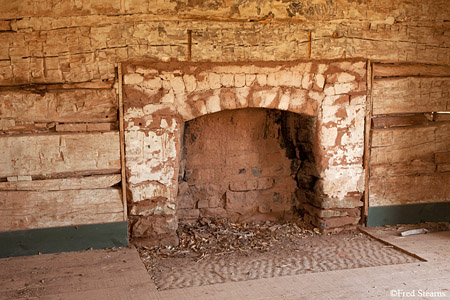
point(409, 144)
point(80, 105)
point(76, 183)
point(26, 210)
point(101, 126)
point(71, 127)
point(410, 95)
point(80, 127)
point(409, 189)
point(442, 117)
point(59, 153)
point(415, 167)
point(443, 168)
point(399, 121)
point(266, 11)
point(13, 128)
point(442, 157)
point(397, 70)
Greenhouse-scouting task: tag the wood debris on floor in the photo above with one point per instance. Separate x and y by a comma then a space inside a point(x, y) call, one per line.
point(212, 237)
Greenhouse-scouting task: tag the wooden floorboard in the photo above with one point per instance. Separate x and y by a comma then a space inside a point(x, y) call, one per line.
point(101, 274)
point(119, 274)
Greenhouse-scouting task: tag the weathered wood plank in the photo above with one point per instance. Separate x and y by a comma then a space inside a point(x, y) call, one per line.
point(442, 117)
point(82, 127)
point(408, 144)
point(367, 137)
point(399, 121)
point(76, 183)
point(443, 168)
point(397, 70)
point(122, 140)
point(26, 210)
point(80, 105)
point(414, 167)
point(411, 95)
point(410, 189)
point(442, 157)
point(59, 153)
point(71, 127)
point(10, 127)
point(248, 10)
point(101, 126)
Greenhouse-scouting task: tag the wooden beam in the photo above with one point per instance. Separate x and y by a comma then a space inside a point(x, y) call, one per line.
point(189, 45)
point(367, 139)
point(83, 127)
point(414, 167)
point(410, 95)
point(442, 117)
point(442, 157)
point(308, 53)
point(413, 189)
point(398, 70)
point(80, 105)
point(409, 143)
point(14, 128)
point(399, 121)
point(48, 154)
point(443, 167)
point(31, 209)
point(60, 184)
point(122, 141)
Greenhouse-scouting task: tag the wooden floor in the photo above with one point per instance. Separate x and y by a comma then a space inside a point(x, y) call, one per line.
point(97, 274)
point(119, 274)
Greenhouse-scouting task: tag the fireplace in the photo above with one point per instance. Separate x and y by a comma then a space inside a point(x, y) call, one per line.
point(253, 141)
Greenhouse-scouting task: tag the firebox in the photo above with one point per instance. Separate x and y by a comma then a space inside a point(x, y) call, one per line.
point(244, 141)
point(245, 165)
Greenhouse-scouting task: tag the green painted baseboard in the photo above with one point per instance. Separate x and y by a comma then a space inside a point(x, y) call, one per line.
point(408, 214)
point(63, 239)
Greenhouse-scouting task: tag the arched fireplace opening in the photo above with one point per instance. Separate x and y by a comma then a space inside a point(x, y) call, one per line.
point(245, 165)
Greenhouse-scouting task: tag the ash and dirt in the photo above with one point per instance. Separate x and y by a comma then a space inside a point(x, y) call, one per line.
point(217, 251)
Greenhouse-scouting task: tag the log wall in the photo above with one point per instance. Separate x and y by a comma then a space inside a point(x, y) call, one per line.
point(61, 160)
point(410, 143)
point(58, 78)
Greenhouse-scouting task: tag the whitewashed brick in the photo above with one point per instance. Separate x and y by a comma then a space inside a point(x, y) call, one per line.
point(190, 83)
point(345, 77)
point(227, 80)
point(261, 79)
point(239, 80)
point(133, 79)
point(214, 80)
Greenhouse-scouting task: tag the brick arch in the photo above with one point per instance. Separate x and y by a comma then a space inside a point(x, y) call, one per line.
point(285, 98)
point(296, 88)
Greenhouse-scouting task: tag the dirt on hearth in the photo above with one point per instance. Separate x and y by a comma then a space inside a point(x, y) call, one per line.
point(216, 251)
